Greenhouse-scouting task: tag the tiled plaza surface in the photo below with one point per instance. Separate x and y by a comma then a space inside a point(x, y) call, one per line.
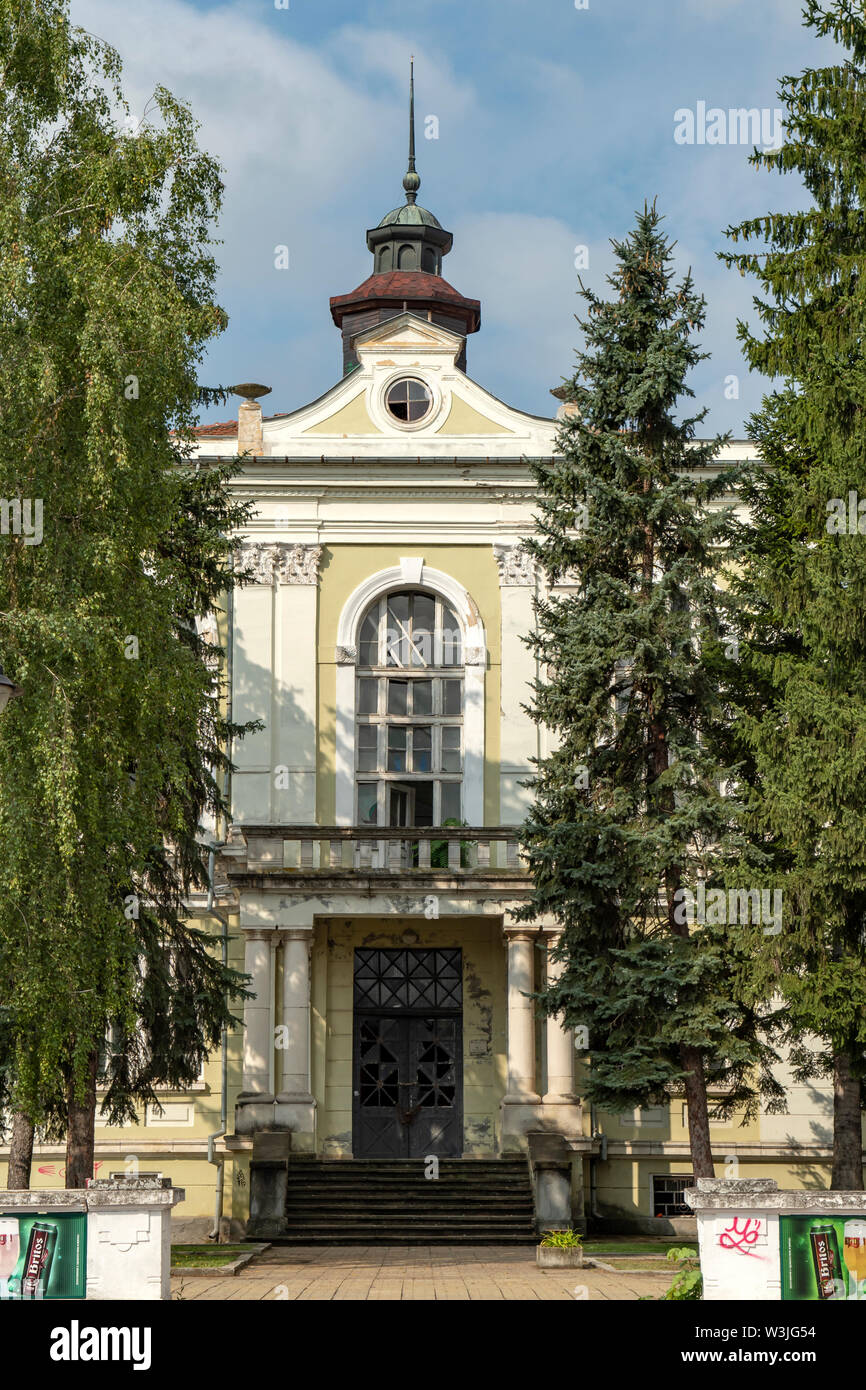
point(416, 1272)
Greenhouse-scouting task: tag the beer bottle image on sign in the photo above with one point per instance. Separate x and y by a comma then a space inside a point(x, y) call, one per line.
point(33, 1280)
point(854, 1251)
point(826, 1261)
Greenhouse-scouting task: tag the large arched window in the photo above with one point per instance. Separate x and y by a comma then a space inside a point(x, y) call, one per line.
point(409, 712)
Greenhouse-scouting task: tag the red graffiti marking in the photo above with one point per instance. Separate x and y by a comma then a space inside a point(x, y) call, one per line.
point(734, 1238)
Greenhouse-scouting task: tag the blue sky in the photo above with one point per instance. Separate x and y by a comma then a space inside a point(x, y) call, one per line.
point(554, 124)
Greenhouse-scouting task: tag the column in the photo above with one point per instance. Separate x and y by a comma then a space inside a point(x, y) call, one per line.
point(295, 1031)
point(560, 1040)
point(255, 1103)
point(295, 1107)
point(521, 1017)
point(257, 1014)
point(521, 1105)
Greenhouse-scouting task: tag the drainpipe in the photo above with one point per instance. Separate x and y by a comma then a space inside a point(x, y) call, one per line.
point(224, 1065)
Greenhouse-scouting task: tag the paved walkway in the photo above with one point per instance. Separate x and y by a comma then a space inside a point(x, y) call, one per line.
point(397, 1272)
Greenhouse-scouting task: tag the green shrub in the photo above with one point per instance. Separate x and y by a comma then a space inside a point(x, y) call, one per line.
point(689, 1282)
point(563, 1240)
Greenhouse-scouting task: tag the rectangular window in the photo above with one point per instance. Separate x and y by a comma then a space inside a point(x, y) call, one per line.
point(452, 702)
point(396, 748)
point(398, 697)
point(667, 1196)
point(422, 748)
point(422, 697)
point(368, 797)
point(450, 802)
point(368, 695)
point(368, 738)
point(450, 748)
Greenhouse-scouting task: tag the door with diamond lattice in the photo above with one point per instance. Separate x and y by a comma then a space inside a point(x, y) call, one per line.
point(407, 1073)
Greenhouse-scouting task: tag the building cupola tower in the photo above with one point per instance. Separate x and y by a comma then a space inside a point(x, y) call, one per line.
point(407, 247)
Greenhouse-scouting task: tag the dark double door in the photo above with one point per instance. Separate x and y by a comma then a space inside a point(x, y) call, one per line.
point(407, 1072)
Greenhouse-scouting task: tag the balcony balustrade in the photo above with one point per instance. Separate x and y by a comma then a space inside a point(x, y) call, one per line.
point(382, 849)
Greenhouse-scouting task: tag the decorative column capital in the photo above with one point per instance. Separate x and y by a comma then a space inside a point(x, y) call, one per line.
point(522, 933)
point(346, 656)
point(551, 934)
point(299, 564)
point(516, 566)
point(257, 933)
point(258, 561)
point(291, 564)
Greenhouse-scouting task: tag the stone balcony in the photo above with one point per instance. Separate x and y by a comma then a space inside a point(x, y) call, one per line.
point(296, 853)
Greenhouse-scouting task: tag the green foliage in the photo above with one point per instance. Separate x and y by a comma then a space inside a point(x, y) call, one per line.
point(439, 848)
point(116, 752)
point(628, 807)
point(562, 1240)
point(799, 732)
point(688, 1284)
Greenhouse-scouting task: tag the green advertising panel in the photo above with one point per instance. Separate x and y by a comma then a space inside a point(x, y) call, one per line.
point(43, 1256)
point(823, 1257)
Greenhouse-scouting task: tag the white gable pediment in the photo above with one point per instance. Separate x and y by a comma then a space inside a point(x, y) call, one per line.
point(407, 333)
point(352, 418)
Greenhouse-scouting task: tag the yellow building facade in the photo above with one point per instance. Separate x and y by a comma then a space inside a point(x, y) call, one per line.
point(367, 879)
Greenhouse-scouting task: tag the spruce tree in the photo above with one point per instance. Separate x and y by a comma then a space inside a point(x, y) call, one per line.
point(800, 729)
point(629, 813)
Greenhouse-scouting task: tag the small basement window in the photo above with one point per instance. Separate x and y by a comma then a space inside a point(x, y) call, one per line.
point(667, 1194)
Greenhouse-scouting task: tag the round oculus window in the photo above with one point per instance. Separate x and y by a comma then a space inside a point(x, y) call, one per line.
point(408, 400)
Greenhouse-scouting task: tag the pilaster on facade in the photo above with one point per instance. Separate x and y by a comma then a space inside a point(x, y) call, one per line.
point(255, 1101)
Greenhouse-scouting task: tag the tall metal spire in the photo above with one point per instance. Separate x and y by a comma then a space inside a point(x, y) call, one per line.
point(411, 182)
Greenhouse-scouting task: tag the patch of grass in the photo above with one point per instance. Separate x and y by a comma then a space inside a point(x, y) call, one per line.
point(205, 1256)
point(626, 1245)
point(636, 1263)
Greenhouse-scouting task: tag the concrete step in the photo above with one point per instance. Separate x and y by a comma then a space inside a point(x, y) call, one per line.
point(419, 1190)
point(382, 1202)
point(304, 1212)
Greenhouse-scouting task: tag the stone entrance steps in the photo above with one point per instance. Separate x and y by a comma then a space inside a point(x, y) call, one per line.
point(390, 1202)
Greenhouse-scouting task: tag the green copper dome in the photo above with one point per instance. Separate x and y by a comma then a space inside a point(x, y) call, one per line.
point(410, 215)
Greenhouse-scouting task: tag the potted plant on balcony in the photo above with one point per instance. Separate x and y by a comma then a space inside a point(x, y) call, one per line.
point(439, 848)
point(560, 1250)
